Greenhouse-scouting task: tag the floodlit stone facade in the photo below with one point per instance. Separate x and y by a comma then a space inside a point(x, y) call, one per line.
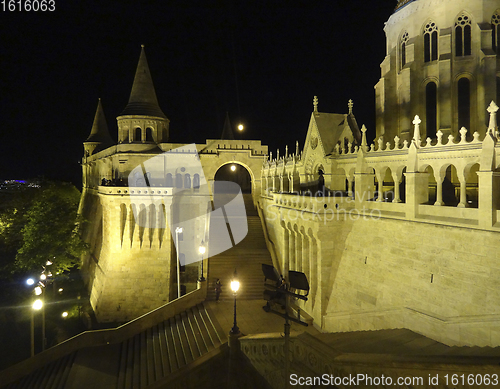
point(131, 268)
point(403, 233)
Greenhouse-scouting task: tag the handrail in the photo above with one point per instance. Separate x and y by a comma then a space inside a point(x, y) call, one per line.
point(103, 337)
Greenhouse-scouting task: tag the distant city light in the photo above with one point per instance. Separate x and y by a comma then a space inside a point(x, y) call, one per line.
point(30, 281)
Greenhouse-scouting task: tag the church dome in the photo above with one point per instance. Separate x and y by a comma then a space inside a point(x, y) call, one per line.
point(402, 3)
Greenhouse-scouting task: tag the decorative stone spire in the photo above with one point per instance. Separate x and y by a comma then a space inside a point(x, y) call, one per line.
point(286, 151)
point(143, 101)
point(297, 147)
point(227, 130)
point(364, 145)
point(99, 137)
point(350, 104)
point(416, 133)
point(315, 104)
point(492, 109)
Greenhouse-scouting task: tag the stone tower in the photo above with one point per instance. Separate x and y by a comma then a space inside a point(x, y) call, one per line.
point(129, 267)
point(440, 64)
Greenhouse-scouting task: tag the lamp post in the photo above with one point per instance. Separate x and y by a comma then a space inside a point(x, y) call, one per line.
point(37, 305)
point(235, 286)
point(202, 251)
point(178, 231)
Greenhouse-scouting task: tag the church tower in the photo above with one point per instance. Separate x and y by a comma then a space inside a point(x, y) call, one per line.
point(142, 120)
point(440, 64)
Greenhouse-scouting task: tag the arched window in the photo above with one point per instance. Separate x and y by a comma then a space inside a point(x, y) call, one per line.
point(196, 181)
point(430, 42)
point(149, 135)
point(495, 31)
point(138, 135)
point(403, 44)
point(169, 181)
point(178, 180)
point(431, 109)
point(464, 103)
point(187, 181)
point(463, 36)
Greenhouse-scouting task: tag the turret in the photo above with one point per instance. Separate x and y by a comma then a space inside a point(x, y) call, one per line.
point(99, 138)
point(142, 120)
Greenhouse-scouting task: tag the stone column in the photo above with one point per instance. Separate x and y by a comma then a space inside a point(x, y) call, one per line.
point(298, 250)
point(397, 179)
point(291, 250)
point(463, 188)
point(439, 188)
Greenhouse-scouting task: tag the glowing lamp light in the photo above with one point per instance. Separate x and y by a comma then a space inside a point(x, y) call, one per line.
point(30, 281)
point(38, 304)
point(233, 168)
point(38, 290)
point(43, 277)
point(60, 290)
point(48, 263)
point(64, 314)
point(235, 286)
point(202, 250)
point(241, 127)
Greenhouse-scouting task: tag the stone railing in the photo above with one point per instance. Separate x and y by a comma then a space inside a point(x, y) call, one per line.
point(309, 357)
point(103, 337)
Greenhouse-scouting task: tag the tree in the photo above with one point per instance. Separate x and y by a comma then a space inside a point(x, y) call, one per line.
point(51, 230)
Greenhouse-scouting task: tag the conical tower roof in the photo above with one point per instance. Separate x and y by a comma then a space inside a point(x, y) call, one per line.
point(143, 99)
point(227, 131)
point(99, 132)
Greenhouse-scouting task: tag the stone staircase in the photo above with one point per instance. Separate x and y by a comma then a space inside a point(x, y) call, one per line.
point(246, 257)
point(138, 362)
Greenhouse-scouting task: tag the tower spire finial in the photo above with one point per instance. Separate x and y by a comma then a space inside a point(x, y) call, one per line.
point(315, 103)
point(350, 105)
point(142, 100)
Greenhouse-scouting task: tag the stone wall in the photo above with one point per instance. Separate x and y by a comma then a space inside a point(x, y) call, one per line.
point(378, 272)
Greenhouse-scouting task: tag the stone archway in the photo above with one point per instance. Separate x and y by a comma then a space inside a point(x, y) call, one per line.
point(237, 173)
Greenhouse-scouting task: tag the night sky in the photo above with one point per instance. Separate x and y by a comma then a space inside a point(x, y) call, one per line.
point(261, 61)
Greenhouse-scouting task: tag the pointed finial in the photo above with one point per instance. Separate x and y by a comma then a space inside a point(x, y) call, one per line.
point(350, 104)
point(296, 147)
point(416, 133)
point(286, 151)
point(492, 109)
point(363, 139)
point(315, 103)
point(142, 46)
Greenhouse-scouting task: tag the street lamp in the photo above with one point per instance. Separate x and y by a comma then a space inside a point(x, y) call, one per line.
point(37, 305)
point(202, 251)
point(235, 286)
point(178, 231)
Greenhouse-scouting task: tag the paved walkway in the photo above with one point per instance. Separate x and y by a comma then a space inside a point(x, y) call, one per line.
point(251, 318)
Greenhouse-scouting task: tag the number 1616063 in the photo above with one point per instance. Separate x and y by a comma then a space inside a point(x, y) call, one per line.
point(28, 5)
